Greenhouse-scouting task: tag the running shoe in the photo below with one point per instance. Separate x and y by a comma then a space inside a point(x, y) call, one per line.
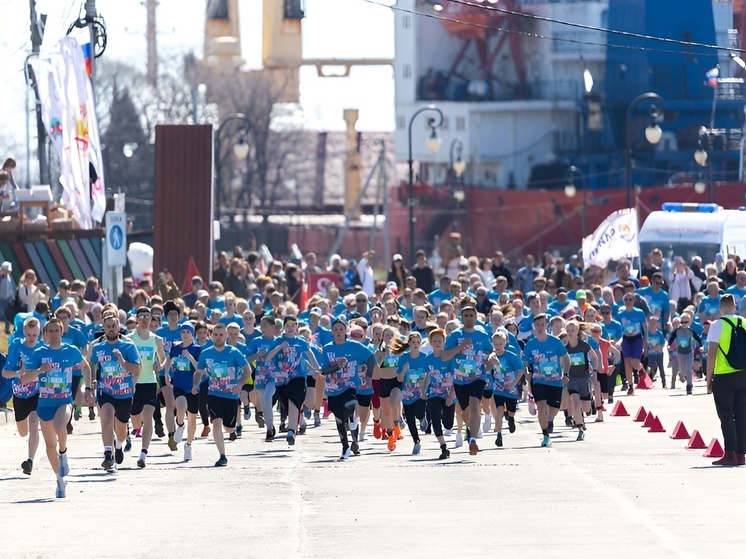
point(550, 427)
point(416, 449)
point(444, 453)
point(355, 448)
point(137, 433)
point(283, 427)
point(260, 419)
point(499, 440)
point(141, 463)
point(222, 461)
point(631, 391)
point(392, 443)
point(307, 413)
point(128, 444)
point(239, 431)
point(599, 418)
point(119, 455)
point(377, 431)
point(173, 445)
point(511, 424)
point(447, 432)
point(602, 407)
point(61, 485)
point(487, 425)
point(581, 435)
point(610, 400)
point(397, 433)
point(159, 432)
point(346, 453)
point(77, 414)
point(302, 427)
point(424, 424)
point(27, 466)
point(231, 437)
point(269, 438)
point(91, 414)
point(64, 466)
point(689, 389)
point(459, 440)
point(205, 431)
point(568, 422)
point(108, 463)
point(187, 452)
point(179, 433)
point(316, 419)
point(473, 447)
point(546, 441)
point(247, 413)
point(291, 438)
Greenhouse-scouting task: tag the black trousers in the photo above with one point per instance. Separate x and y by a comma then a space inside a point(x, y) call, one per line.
point(729, 392)
point(412, 412)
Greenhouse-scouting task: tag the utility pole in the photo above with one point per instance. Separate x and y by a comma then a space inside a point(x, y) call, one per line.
point(41, 131)
point(90, 14)
point(152, 45)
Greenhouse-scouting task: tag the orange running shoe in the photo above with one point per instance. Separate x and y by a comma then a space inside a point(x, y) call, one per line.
point(377, 429)
point(397, 433)
point(392, 443)
point(205, 430)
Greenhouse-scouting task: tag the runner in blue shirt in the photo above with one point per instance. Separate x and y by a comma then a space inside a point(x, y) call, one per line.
point(634, 326)
point(469, 347)
point(25, 396)
point(345, 362)
point(439, 388)
point(288, 355)
point(656, 345)
point(443, 293)
point(170, 333)
point(507, 373)
point(412, 372)
point(657, 299)
point(75, 337)
point(709, 308)
point(53, 365)
point(117, 365)
point(612, 329)
point(264, 375)
point(180, 367)
point(312, 380)
point(549, 363)
point(227, 370)
point(739, 289)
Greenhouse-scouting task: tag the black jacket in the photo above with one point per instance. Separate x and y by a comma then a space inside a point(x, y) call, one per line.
point(425, 278)
point(502, 270)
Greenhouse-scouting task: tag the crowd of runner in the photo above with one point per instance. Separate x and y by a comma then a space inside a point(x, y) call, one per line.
point(454, 356)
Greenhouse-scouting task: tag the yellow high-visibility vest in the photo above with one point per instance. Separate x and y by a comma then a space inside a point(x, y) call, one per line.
point(722, 367)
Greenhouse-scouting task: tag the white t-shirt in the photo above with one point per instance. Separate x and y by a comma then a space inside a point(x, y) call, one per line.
point(716, 328)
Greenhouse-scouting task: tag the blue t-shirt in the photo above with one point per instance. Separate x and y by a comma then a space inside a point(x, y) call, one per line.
point(506, 373)
point(656, 342)
point(169, 337)
point(18, 352)
point(248, 337)
point(289, 361)
point(217, 303)
point(612, 330)
point(182, 370)
point(710, 307)
point(469, 363)
point(224, 370)
point(55, 386)
point(544, 358)
point(633, 322)
point(412, 386)
point(235, 318)
point(659, 303)
point(440, 376)
point(353, 373)
point(737, 292)
point(113, 379)
point(437, 296)
point(264, 370)
point(321, 336)
point(77, 338)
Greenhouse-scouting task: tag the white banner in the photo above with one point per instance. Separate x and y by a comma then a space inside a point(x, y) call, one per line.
point(615, 238)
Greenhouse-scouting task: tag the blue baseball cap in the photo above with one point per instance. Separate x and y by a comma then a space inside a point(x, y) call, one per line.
point(186, 326)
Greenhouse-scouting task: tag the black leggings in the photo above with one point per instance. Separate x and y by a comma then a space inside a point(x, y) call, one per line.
point(203, 413)
point(343, 408)
point(413, 412)
point(438, 412)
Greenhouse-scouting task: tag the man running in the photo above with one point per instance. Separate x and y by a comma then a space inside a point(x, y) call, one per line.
point(170, 334)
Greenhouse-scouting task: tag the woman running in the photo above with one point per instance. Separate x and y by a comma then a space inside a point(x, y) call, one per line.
point(390, 386)
point(582, 358)
point(412, 373)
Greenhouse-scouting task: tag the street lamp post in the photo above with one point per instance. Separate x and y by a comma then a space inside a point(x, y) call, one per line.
point(652, 133)
point(702, 159)
point(240, 151)
point(457, 168)
point(433, 144)
point(571, 190)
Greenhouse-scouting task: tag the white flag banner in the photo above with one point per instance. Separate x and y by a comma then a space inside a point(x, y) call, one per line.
point(615, 238)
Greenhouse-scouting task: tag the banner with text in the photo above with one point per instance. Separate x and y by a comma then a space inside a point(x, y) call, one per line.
point(615, 238)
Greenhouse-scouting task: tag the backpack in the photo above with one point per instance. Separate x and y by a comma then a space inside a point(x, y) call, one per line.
point(14, 307)
point(736, 356)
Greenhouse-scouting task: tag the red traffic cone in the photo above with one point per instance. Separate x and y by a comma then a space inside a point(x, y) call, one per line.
point(641, 414)
point(714, 450)
point(656, 426)
point(696, 441)
point(648, 421)
point(619, 410)
point(680, 432)
point(645, 383)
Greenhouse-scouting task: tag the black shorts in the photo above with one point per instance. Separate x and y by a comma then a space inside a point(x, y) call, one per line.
point(294, 391)
point(580, 386)
point(192, 400)
point(22, 407)
point(245, 388)
point(603, 383)
point(145, 395)
point(162, 381)
point(552, 395)
point(509, 403)
point(363, 400)
point(76, 387)
point(487, 393)
point(474, 389)
point(223, 408)
point(122, 406)
point(387, 385)
point(310, 382)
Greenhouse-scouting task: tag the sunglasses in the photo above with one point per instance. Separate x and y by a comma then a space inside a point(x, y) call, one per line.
point(628, 300)
point(143, 316)
point(361, 300)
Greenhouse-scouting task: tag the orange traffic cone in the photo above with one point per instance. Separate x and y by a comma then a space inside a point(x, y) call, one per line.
point(680, 432)
point(645, 383)
point(619, 410)
point(696, 441)
point(648, 421)
point(641, 414)
point(714, 450)
point(656, 426)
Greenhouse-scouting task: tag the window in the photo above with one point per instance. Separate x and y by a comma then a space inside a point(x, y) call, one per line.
point(445, 124)
point(405, 22)
point(407, 71)
point(460, 123)
point(400, 122)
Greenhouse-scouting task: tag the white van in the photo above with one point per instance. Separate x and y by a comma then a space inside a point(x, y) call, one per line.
point(683, 229)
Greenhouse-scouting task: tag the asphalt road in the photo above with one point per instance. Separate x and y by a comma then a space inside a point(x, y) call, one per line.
point(622, 492)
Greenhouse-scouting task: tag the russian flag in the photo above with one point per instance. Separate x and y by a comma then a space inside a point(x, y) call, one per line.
point(712, 77)
point(87, 54)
